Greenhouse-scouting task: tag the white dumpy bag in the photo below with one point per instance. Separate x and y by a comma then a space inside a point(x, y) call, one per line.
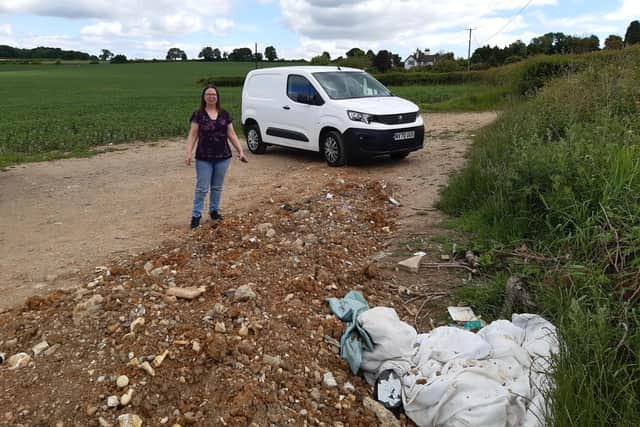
point(453, 377)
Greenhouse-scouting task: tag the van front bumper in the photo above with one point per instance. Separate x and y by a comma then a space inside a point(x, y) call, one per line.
point(367, 142)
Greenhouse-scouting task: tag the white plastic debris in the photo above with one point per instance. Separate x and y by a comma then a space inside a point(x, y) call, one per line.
point(462, 314)
point(394, 202)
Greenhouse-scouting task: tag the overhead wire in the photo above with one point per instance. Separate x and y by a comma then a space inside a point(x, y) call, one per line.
point(508, 22)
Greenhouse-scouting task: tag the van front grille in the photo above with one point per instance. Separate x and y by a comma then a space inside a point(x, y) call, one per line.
point(395, 119)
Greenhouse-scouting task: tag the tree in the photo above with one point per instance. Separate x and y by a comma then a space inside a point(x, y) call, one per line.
point(541, 45)
point(517, 48)
point(323, 59)
point(270, 53)
point(632, 36)
point(216, 54)
point(206, 54)
point(105, 55)
point(241, 54)
point(383, 60)
point(119, 59)
point(613, 42)
point(397, 60)
point(257, 57)
point(354, 52)
point(175, 53)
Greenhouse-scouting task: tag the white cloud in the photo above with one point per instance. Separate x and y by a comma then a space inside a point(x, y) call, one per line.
point(102, 29)
point(221, 26)
point(381, 23)
point(5, 30)
point(628, 11)
point(124, 18)
point(114, 9)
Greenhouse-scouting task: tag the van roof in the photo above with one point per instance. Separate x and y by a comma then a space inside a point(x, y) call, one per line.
point(307, 68)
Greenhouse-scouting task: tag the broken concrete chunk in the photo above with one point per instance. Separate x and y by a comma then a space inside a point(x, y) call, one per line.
point(159, 359)
point(329, 381)
point(40, 347)
point(385, 416)
point(87, 308)
point(126, 398)
point(147, 368)
point(122, 381)
point(137, 324)
point(244, 293)
point(19, 360)
point(185, 293)
point(130, 420)
point(411, 264)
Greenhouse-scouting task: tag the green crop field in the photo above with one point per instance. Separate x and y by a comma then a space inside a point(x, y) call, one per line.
point(51, 111)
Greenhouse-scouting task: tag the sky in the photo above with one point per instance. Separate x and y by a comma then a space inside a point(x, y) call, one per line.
point(301, 28)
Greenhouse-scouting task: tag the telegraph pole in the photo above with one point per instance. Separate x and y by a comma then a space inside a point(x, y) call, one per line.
point(469, 49)
point(255, 54)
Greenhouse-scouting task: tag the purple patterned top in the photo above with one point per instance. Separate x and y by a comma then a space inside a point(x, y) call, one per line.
point(212, 135)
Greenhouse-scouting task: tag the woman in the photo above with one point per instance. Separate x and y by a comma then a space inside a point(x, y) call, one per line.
point(210, 131)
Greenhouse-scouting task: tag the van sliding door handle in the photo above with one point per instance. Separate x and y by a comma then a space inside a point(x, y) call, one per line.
point(286, 107)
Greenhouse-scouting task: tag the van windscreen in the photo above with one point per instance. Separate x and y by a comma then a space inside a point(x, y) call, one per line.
point(345, 84)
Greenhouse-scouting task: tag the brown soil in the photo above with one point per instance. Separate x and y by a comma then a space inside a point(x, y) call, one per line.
point(129, 208)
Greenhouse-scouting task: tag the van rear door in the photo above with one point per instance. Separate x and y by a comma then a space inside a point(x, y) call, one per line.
point(263, 98)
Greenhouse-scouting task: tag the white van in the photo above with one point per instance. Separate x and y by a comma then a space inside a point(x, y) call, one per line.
point(343, 113)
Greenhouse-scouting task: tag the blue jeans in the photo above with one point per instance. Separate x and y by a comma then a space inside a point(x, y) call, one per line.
point(209, 175)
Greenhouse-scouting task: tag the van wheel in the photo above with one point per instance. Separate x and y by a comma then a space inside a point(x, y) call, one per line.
point(254, 140)
point(333, 149)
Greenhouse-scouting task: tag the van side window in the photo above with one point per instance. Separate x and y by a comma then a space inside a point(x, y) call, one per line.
point(299, 89)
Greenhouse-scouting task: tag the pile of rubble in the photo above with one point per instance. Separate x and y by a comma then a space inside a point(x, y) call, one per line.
point(226, 325)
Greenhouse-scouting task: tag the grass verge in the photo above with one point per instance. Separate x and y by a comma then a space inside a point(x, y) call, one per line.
point(561, 173)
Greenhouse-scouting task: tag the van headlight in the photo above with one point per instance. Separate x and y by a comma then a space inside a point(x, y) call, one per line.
point(357, 116)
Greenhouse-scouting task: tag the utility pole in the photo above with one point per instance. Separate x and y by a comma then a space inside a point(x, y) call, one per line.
point(469, 49)
point(255, 54)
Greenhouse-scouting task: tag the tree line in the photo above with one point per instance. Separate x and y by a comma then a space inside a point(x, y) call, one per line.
point(42, 53)
point(486, 56)
point(242, 54)
point(551, 44)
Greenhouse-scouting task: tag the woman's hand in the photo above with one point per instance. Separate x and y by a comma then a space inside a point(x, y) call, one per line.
point(191, 142)
point(242, 157)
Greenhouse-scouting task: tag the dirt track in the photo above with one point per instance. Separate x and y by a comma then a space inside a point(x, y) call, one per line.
point(295, 233)
point(59, 218)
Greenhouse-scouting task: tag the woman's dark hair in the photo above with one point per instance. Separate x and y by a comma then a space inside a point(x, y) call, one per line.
point(203, 104)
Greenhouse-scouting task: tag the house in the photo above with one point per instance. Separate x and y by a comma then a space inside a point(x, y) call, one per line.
point(419, 60)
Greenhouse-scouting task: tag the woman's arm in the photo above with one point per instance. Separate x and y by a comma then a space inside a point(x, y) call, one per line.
point(192, 140)
point(231, 134)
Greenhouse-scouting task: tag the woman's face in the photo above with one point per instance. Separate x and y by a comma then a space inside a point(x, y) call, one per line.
point(211, 97)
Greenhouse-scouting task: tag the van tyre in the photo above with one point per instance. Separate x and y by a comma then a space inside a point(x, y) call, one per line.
point(333, 149)
point(254, 139)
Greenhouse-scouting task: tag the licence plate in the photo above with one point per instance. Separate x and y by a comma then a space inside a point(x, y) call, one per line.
point(399, 136)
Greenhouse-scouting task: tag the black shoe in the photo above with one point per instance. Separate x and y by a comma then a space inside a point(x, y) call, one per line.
point(195, 222)
point(215, 215)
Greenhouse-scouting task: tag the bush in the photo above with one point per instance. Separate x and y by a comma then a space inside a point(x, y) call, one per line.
point(222, 81)
point(119, 59)
point(542, 69)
